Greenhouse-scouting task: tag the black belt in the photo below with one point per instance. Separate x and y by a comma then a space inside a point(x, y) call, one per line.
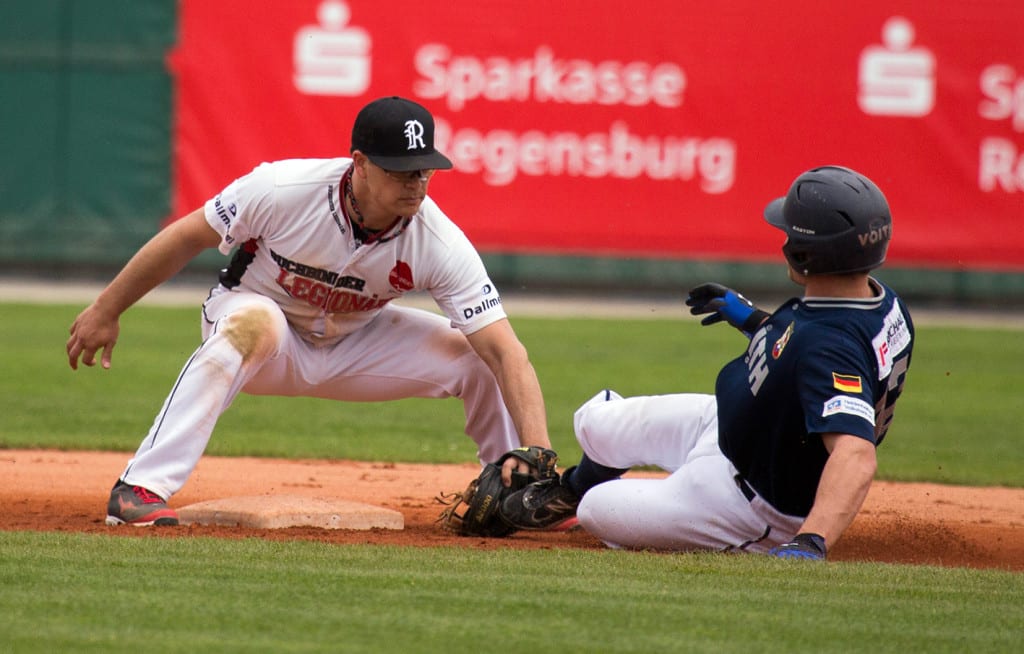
point(745, 488)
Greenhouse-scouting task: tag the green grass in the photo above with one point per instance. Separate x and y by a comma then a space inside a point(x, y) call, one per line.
point(961, 412)
point(207, 595)
point(957, 422)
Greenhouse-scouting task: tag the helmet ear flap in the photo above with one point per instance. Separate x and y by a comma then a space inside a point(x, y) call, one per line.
point(798, 259)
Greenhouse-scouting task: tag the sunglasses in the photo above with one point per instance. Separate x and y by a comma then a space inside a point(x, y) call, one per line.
point(410, 176)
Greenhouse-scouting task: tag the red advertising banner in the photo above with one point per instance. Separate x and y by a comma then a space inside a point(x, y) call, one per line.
point(660, 128)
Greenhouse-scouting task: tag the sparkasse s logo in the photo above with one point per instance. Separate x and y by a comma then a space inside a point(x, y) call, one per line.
point(331, 58)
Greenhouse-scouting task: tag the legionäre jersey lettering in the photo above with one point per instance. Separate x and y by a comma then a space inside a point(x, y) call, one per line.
point(293, 243)
point(815, 366)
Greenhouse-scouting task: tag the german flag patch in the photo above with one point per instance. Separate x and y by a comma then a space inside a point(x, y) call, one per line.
point(846, 383)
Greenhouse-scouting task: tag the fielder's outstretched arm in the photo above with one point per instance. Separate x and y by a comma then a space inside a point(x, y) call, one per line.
point(98, 326)
point(500, 348)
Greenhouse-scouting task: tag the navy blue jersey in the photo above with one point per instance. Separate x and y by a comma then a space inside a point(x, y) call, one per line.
point(816, 366)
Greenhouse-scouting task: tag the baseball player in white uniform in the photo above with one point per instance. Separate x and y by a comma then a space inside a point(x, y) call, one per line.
point(321, 248)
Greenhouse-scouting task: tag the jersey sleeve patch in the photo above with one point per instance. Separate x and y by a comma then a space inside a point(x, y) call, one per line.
point(893, 338)
point(853, 406)
point(846, 383)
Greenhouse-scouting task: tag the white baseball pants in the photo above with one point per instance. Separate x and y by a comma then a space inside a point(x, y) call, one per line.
point(249, 347)
point(699, 506)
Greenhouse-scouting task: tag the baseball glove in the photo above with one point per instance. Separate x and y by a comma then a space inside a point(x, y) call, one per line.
point(474, 511)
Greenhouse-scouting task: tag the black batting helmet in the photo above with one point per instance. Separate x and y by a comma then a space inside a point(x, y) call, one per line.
point(836, 221)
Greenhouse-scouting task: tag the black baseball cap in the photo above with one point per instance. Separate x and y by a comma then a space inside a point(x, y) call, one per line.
point(397, 134)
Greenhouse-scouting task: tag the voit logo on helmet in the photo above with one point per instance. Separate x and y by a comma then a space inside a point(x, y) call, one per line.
point(875, 235)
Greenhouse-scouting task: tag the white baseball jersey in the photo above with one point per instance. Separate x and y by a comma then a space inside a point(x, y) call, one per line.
point(326, 328)
point(289, 219)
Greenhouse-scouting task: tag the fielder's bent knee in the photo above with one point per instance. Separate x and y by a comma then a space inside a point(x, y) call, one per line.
point(254, 331)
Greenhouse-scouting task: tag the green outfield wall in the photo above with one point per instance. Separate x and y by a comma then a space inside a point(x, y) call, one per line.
point(85, 166)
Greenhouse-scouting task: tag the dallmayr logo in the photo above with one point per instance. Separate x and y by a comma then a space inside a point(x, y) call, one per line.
point(330, 58)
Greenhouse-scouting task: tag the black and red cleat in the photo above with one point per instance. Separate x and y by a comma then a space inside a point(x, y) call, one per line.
point(138, 506)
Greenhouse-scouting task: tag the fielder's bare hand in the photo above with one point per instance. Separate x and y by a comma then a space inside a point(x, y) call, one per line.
point(93, 330)
point(528, 461)
point(514, 465)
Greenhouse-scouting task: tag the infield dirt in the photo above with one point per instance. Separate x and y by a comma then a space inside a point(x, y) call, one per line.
point(67, 491)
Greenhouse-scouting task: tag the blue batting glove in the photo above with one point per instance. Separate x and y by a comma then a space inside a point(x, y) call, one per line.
point(723, 303)
point(803, 546)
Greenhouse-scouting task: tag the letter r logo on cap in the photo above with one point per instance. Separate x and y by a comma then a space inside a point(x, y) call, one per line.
point(414, 132)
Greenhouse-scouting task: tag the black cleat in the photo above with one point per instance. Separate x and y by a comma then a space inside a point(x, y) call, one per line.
point(543, 505)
